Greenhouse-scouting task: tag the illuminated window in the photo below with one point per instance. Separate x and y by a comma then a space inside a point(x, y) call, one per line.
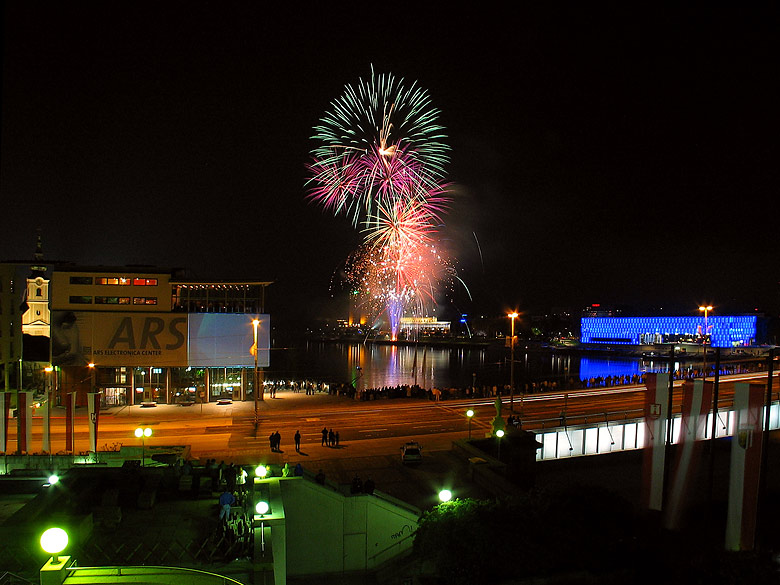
point(145, 281)
point(144, 300)
point(112, 300)
point(115, 281)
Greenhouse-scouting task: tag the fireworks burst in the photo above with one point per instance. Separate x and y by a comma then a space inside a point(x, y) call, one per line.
point(381, 162)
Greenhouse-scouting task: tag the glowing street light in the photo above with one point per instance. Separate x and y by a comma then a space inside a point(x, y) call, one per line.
point(499, 434)
point(258, 391)
point(54, 541)
point(143, 433)
point(261, 471)
point(470, 415)
point(445, 496)
point(706, 311)
point(512, 316)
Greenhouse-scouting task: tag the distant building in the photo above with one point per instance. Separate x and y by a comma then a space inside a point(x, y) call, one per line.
point(412, 326)
point(718, 331)
point(10, 328)
point(154, 336)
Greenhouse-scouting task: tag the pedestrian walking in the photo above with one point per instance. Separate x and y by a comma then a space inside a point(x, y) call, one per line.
point(324, 436)
point(331, 438)
point(297, 439)
point(278, 441)
point(272, 441)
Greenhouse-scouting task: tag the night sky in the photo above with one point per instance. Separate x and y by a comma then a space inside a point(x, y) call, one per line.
point(598, 154)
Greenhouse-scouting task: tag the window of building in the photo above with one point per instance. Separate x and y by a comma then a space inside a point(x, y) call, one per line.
point(38, 292)
point(81, 280)
point(144, 300)
point(113, 280)
point(145, 282)
point(80, 300)
point(112, 300)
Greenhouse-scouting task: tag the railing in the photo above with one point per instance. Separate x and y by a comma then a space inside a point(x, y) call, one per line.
point(9, 578)
point(623, 435)
point(132, 573)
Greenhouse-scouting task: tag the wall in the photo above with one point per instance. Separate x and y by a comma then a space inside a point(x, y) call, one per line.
point(328, 532)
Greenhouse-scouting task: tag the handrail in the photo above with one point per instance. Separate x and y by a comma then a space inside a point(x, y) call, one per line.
point(8, 575)
point(144, 569)
point(396, 543)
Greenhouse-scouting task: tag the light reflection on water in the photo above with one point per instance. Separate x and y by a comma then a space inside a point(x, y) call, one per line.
point(375, 366)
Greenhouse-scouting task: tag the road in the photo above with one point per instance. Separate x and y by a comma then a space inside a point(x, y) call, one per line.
point(365, 428)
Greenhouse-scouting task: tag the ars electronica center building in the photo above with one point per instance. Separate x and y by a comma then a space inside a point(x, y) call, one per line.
point(724, 331)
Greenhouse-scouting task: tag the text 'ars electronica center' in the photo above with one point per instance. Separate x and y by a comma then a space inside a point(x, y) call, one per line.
point(725, 331)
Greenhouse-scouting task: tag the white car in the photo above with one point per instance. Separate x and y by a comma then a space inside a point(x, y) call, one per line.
point(411, 452)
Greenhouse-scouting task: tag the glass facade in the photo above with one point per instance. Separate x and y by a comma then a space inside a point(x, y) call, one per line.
point(720, 331)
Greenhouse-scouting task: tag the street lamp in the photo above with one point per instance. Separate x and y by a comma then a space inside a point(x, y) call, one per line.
point(445, 496)
point(706, 311)
point(470, 414)
point(257, 390)
point(54, 541)
point(512, 316)
point(499, 434)
point(143, 433)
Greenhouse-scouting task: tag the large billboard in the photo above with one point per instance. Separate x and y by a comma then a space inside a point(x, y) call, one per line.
point(227, 339)
point(158, 339)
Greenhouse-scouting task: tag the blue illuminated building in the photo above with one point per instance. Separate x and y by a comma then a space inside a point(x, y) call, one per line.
point(722, 331)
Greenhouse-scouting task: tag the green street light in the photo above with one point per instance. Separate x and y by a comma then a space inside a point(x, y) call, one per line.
point(54, 541)
point(499, 434)
point(445, 496)
point(262, 507)
point(261, 471)
point(469, 414)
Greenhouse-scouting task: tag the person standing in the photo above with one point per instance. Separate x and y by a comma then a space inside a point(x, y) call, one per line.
point(324, 436)
point(331, 439)
point(278, 441)
point(337, 438)
point(226, 501)
point(297, 439)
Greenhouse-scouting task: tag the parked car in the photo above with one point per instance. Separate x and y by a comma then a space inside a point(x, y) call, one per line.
point(411, 452)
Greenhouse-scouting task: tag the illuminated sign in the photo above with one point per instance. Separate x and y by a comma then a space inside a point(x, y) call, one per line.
point(158, 339)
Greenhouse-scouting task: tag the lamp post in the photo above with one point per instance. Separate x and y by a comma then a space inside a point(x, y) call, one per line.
point(257, 391)
point(47, 410)
point(706, 311)
point(142, 433)
point(470, 415)
point(512, 316)
point(54, 541)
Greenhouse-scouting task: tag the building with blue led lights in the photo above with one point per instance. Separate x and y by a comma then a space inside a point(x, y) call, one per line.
point(719, 331)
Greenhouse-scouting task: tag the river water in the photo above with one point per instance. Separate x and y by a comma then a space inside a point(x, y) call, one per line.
point(376, 366)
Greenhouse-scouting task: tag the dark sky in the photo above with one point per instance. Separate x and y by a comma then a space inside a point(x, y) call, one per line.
point(598, 154)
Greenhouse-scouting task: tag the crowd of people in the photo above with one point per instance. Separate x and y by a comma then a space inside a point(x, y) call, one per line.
point(435, 394)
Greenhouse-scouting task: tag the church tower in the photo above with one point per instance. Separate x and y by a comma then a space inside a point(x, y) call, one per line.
point(36, 319)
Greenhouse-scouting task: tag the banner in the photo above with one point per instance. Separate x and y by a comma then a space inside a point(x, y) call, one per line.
point(93, 401)
point(70, 420)
point(654, 458)
point(696, 404)
point(5, 411)
point(227, 339)
point(159, 339)
point(24, 422)
point(46, 421)
point(745, 471)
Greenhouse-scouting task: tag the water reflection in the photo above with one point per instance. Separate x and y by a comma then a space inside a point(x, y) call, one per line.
point(376, 366)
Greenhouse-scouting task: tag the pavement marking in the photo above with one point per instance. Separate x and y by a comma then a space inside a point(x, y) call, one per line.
point(371, 430)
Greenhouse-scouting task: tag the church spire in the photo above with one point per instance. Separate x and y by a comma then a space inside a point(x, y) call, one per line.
point(38, 269)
